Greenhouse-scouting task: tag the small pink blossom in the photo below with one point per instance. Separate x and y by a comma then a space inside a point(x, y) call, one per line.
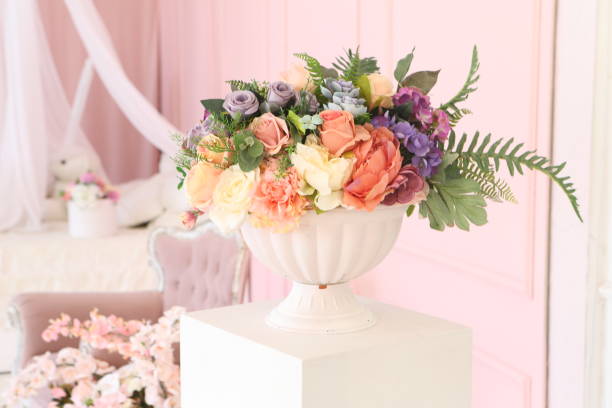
point(58, 392)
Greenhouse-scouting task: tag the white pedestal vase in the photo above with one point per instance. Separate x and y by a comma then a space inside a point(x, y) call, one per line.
point(96, 220)
point(320, 257)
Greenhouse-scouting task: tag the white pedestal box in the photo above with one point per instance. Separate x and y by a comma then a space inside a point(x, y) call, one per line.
point(230, 358)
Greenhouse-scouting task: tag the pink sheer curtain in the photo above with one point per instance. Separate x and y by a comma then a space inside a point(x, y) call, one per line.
point(133, 26)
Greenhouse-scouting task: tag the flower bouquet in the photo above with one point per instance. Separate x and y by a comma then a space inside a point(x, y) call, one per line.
point(74, 378)
point(91, 207)
point(324, 163)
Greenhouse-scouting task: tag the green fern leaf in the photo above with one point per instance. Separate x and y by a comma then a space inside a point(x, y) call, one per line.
point(313, 66)
point(491, 187)
point(352, 66)
point(515, 159)
point(467, 88)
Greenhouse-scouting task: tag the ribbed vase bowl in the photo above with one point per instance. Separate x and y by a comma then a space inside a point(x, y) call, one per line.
point(321, 256)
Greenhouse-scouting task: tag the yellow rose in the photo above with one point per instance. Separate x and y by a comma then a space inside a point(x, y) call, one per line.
point(232, 198)
point(381, 91)
point(200, 184)
point(326, 176)
point(218, 158)
point(298, 77)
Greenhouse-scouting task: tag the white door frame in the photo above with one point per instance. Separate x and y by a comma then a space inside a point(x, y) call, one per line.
point(578, 264)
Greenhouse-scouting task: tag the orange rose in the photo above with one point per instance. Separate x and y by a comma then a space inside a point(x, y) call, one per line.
point(218, 158)
point(339, 133)
point(378, 162)
point(200, 184)
point(271, 131)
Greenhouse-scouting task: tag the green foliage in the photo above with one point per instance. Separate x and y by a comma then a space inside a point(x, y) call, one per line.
point(294, 119)
point(284, 162)
point(491, 186)
point(453, 199)
point(468, 87)
point(456, 116)
point(362, 119)
point(489, 156)
point(249, 150)
point(402, 67)
point(212, 105)
point(258, 88)
point(456, 201)
point(363, 83)
point(352, 66)
point(317, 71)
point(424, 80)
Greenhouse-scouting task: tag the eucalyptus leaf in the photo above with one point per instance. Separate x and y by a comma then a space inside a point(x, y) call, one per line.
point(402, 67)
point(424, 80)
point(213, 105)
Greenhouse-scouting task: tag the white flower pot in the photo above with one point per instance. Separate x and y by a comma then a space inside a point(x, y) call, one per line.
point(320, 257)
point(96, 220)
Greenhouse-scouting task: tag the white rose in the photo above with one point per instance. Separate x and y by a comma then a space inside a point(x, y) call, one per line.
point(326, 176)
point(85, 195)
point(232, 198)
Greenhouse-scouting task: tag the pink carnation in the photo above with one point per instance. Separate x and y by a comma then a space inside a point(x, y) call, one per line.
point(277, 202)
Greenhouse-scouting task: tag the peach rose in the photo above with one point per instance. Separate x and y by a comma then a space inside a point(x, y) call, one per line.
point(378, 162)
point(272, 131)
point(381, 91)
point(339, 133)
point(218, 158)
point(298, 77)
point(200, 184)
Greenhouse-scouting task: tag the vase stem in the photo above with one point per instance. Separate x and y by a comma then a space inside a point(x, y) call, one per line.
point(324, 309)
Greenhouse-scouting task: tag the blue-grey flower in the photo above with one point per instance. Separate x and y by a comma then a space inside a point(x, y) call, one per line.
point(280, 94)
point(243, 103)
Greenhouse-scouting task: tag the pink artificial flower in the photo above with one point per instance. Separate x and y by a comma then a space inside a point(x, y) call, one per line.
point(277, 202)
point(112, 195)
point(58, 393)
point(189, 218)
point(88, 178)
point(441, 125)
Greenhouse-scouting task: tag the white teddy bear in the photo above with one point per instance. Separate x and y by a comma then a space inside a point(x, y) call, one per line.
point(66, 167)
point(140, 201)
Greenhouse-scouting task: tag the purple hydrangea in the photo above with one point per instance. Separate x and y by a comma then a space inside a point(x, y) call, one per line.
point(383, 121)
point(421, 107)
point(197, 133)
point(428, 164)
point(427, 157)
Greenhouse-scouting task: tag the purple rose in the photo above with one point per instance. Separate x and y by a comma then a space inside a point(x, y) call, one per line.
point(241, 102)
point(197, 133)
point(404, 186)
point(307, 101)
point(280, 94)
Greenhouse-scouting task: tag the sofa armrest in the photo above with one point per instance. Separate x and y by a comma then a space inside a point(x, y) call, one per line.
point(30, 313)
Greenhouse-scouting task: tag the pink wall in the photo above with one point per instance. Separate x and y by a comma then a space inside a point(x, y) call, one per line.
point(133, 26)
point(494, 279)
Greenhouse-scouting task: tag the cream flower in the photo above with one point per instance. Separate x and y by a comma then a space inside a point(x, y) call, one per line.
point(326, 176)
point(232, 198)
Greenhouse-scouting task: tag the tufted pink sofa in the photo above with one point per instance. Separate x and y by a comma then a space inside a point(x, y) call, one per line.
point(197, 269)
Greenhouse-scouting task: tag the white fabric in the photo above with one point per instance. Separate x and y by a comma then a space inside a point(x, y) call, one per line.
point(34, 113)
point(63, 263)
point(149, 122)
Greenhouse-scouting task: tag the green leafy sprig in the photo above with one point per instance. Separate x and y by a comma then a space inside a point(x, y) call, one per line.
point(352, 66)
point(487, 156)
point(317, 71)
point(467, 88)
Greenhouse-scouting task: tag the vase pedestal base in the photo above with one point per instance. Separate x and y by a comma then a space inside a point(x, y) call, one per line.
point(231, 358)
point(324, 309)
